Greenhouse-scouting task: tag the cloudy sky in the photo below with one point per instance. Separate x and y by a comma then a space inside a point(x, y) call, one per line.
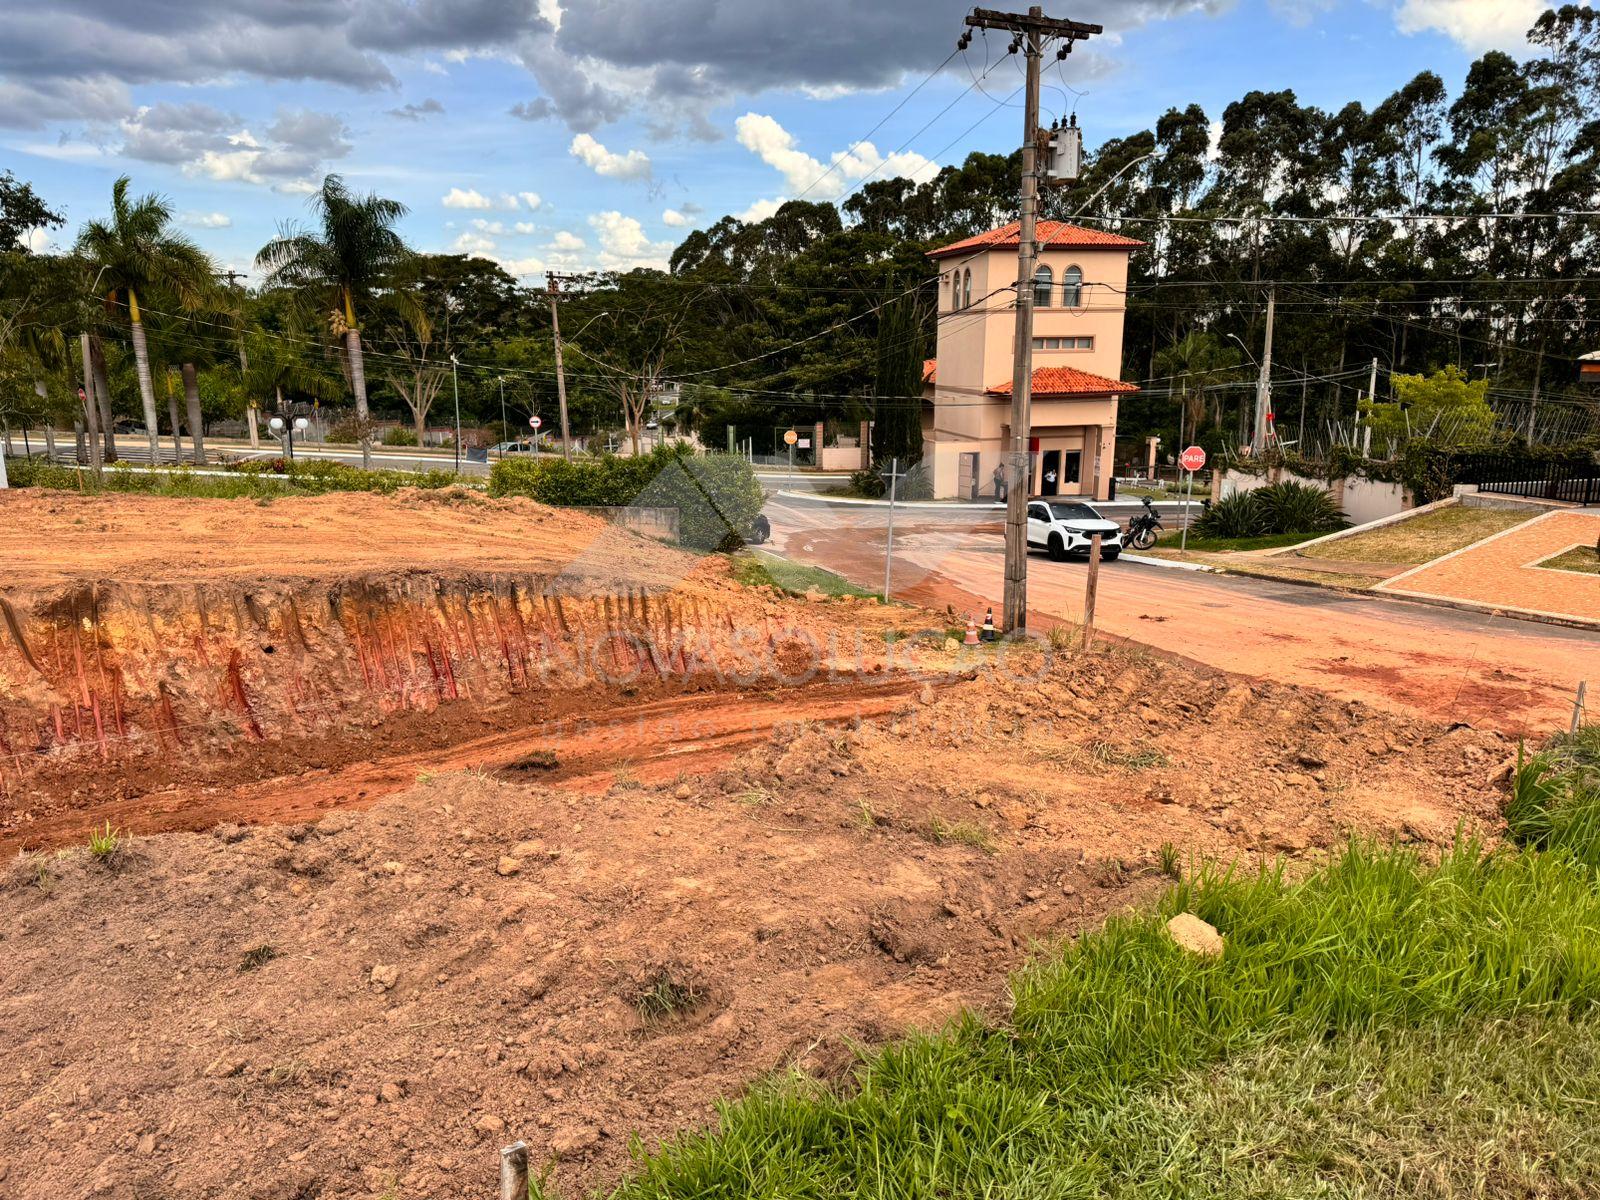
point(596, 133)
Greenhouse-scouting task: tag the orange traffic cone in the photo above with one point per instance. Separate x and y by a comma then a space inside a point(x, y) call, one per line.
point(972, 632)
point(989, 631)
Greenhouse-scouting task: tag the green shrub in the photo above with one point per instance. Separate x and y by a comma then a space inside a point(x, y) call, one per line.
point(399, 435)
point(1235, 516)
point(717, 495)
point(254, 479)
point(1278, 508)
point(344, 433)
point(1298, 508)
point(1555, 799)
point(867, 483)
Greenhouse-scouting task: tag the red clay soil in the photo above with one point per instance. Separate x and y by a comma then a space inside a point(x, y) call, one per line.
point(51, 537)
point(371, 1006)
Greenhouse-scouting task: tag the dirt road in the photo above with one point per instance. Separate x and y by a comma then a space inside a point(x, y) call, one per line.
point(1496, 672)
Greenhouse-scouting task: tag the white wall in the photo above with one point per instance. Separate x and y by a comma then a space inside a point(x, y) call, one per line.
point(1362, 499)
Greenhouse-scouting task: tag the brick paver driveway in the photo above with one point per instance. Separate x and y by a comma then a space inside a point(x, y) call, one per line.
point(1503, 570)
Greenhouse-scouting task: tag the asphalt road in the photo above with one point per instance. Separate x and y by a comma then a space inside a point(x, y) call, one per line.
point(1449, 665)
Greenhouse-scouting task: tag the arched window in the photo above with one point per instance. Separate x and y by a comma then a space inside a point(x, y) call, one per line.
point(966, 288)
point(1043, 285)
point(1071, 288)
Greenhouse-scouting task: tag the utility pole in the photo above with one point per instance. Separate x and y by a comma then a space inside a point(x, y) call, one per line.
point(455, 390)
point(554, 282)
point(91, 409)
point(1030, 31)
point(888, 545)
point(1372, 398)
point(1258, 441)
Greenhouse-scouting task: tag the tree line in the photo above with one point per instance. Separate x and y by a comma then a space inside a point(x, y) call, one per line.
point(1430, 231)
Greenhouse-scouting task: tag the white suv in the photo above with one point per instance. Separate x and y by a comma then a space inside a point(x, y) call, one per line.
point(1063, 527)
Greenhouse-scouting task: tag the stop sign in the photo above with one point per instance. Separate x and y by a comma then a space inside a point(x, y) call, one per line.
point(535, 421)
point(1192, 459)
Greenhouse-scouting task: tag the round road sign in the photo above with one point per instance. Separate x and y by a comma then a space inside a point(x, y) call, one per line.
point(1192, 458)
point(791, 437)
point(535, 421)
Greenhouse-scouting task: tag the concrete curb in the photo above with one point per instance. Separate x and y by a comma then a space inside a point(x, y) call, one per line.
point(1172, 563)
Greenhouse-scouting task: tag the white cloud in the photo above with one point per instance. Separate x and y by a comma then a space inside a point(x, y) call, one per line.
point(532, 201)
point(567, 242)
point(200, 220)
point(524, 227)
point(760, 211)
point(672, 217)
point(472, 243)
point(36, 239)
point(1475, 25)
point(776, 147)
point(483, 226)
point(522, 266)
point(465, 198)
point(623, 244)
point(635, 164)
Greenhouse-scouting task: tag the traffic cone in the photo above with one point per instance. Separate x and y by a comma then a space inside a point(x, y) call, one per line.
point(989, 631)
point(972, 632)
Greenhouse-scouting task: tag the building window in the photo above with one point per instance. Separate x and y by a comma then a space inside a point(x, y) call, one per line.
point(1063, 343)
point(1043, 285)
point(966, 288)
point(1071, 288)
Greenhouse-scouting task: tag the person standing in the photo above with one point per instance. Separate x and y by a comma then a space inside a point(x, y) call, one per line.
point(1000, 483)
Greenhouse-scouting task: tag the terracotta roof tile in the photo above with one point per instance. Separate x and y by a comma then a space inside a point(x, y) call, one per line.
point(930, 370)
point(1068, 381)
point(1052, 235)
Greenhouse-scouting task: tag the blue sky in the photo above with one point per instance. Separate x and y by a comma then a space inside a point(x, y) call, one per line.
point(635, 120)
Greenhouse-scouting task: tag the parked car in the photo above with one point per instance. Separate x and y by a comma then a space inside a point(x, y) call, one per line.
point(1063, 529)
point(504, 448)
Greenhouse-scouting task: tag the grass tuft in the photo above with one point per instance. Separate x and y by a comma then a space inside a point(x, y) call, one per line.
point(663, 997)
point(257, 956)
point(104, 843)
point(961, 833)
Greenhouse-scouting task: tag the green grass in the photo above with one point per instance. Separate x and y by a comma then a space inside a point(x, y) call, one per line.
point(1582, 559)
point(1482, 1108)
point(104, 843)
point(961, 833)
point(252, 480)
point(1421, 538)
point(1269, 541)
point(1555, 798)
point(1086, 1089)
point(796, 579)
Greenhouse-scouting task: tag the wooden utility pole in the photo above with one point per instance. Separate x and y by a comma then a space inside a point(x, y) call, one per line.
point(1258, 439)
point(1031, 31)
point(554, 281)
point(1090, 590)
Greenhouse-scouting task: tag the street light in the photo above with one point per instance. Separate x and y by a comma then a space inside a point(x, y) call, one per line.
point(285, 433)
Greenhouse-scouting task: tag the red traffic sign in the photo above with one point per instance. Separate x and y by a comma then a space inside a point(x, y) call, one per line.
point(535, 421)
point(1192, 458)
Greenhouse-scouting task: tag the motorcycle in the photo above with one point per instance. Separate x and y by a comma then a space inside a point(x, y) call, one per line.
point(1142, 528)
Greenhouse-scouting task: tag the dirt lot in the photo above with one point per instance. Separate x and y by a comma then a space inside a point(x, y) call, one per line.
point(557, 904)
point(372, 1005)
point(51, 537)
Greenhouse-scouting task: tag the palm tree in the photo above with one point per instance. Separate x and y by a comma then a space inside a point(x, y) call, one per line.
point(137, 252)
point(275, 364)
point(341, 264)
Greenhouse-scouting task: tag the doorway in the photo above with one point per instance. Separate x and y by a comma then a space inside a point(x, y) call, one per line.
point(1050, 474)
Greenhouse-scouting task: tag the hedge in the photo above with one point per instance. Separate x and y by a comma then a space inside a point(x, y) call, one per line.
point(716, 495)
point(254, 479)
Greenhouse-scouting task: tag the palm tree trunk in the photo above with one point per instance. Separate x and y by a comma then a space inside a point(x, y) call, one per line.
point(358, 384)
point(102, 396)
point(255, 432)
point(147, 390)
point(172, 416)
point(91, 410)
point(191, 398)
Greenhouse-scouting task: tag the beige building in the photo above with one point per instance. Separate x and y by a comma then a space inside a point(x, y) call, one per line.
point(1080, 294)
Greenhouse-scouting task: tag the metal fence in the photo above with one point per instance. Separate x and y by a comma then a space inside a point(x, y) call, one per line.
point(1570, 481)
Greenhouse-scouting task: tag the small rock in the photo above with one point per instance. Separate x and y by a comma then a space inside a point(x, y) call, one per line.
point(663, 830)
point(508, 865)
point(532, 848)
point(1013, 814)
point(571, 1140)
point(1195, 935)
point(395, 868)
point(385, 976)
point(488, 1123)
point(951, 645)
point(925, 696)
point(684, 791)
point(147, 1144)
point(392, 1092)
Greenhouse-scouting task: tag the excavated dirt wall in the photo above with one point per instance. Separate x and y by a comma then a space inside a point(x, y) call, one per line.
point(108, 672)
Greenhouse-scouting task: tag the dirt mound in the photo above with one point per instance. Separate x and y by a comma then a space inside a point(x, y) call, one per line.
point(374, 1004)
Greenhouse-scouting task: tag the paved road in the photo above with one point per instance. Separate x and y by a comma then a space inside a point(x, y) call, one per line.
point(1513, 675)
